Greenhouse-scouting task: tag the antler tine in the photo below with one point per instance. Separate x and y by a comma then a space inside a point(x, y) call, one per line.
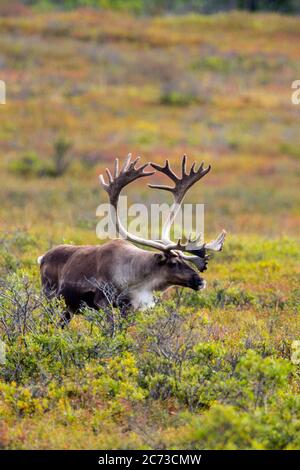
point(183, 165)
point(166, 170)
point(192, 171)
point(161, 186)
point(142, 172)
point(114, 186)
point(116, 172)
point(182, 184)
point(127, 174)
point(102, 182)
point(217, 244)
point(195, 248)
point(109, 175)
point(126, 163)
point(132, 164)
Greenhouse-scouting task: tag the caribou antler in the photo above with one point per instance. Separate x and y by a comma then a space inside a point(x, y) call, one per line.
point(185, 182)
point(129, 173)
point(192, 246)
point(114, 186)
point(197, 252)
point(182, 185)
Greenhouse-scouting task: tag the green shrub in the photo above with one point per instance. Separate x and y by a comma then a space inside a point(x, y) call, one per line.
point(60, 160)
point(27, 165)
point(180, 92)
point(31, 165)
point(227, 428)
point(165, 373)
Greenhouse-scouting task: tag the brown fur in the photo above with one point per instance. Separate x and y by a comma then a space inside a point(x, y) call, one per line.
point(76, 272)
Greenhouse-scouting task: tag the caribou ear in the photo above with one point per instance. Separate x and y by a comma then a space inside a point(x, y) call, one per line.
point(160, 258)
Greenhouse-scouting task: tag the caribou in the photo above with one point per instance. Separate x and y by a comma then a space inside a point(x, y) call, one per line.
point(81, 274)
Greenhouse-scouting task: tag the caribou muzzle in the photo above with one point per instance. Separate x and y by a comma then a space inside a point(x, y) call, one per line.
point(196, 282)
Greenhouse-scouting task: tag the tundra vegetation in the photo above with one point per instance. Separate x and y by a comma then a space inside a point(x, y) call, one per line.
point(215, 369)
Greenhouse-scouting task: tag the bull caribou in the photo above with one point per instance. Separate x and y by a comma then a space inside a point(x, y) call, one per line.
point(78, 273)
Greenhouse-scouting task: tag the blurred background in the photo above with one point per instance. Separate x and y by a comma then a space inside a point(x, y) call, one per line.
point(87, 81)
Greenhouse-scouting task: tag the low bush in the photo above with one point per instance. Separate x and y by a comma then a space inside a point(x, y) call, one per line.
point(217, 370)
point(31, 165)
